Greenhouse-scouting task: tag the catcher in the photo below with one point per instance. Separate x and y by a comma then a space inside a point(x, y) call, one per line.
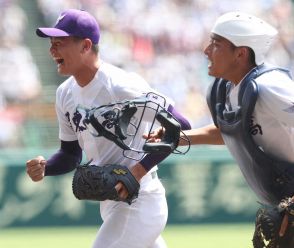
point(132, 199)
point(251, 104)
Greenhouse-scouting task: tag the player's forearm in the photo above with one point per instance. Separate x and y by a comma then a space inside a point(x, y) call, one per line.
point(64, 160)
point(150, 160)
point(185, 124)
point(138, 171)
point(207, 135)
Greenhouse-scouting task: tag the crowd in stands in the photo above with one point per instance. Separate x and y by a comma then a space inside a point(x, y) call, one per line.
point(19, 76)
point(162, 40)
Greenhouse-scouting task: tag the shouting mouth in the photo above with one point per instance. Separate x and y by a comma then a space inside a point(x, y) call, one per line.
point(59, 61)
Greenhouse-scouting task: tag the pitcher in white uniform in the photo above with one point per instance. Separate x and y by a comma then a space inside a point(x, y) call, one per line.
point(92, 83)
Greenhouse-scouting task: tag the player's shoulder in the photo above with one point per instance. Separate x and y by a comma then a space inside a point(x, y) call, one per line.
point(274, 80)
point(65, 87)
point(274, 77)
point(117, 75)
point(66, 84)
point(109, 71)
point(274, 84)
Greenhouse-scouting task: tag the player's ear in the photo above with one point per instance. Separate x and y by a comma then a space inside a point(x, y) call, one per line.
point(87, 44)
point(242, 52)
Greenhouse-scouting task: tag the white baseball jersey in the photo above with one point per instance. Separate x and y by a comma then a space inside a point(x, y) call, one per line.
point(109, 85)
point(273, 117)
point(124, 226)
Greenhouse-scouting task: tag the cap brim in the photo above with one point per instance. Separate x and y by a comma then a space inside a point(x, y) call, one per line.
point(51, 32)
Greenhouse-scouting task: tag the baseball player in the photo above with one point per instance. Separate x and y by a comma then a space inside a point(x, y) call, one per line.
point(92, 83)
point(252, 105)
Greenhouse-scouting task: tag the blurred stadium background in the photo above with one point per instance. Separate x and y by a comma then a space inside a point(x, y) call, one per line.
point(162, 40)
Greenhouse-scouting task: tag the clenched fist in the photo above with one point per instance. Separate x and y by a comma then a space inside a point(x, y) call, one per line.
point(36, 168)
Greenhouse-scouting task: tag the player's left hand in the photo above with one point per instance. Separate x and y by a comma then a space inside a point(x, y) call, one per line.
point(100, 183)
point(138, 172)
point(121, 191)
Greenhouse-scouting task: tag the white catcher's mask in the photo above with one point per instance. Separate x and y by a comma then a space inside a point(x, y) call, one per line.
point(243, 29)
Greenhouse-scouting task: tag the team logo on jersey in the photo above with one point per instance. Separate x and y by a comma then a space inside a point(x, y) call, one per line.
point(77, 120)
point(254, 128)
point(108, 119)
point(290, 110)
point(67, 115)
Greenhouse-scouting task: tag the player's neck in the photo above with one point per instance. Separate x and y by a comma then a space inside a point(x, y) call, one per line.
point(240, 73)
point(86, 74)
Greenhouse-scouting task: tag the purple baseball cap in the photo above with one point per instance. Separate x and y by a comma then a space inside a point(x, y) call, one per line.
point(73, 22)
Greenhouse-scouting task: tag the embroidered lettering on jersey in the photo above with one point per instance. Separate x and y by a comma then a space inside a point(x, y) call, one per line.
point(254, 129)
point(77, 120)
point(108, 119)
point(67, 115)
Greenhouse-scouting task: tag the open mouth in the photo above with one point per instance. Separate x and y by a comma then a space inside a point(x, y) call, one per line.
point(59, 61)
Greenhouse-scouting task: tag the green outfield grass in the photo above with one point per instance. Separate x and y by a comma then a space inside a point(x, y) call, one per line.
point(194, 236)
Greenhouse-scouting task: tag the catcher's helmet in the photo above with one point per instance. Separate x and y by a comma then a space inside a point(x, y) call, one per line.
point(120, 122)
point(246, 30)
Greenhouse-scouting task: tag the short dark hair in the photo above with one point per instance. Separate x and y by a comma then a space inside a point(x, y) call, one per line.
point(251, 54)
point(95, 47)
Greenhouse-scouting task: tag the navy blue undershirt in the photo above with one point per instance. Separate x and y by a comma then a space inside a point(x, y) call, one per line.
point(65, 159)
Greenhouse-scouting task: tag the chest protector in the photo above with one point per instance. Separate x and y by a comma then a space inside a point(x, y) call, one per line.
point(271, 179)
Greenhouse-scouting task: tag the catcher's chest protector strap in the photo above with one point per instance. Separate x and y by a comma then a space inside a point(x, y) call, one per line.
point(272, 180)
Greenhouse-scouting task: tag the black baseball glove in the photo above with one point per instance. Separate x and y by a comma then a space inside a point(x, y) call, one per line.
point(97, 183)
point(268, 224)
